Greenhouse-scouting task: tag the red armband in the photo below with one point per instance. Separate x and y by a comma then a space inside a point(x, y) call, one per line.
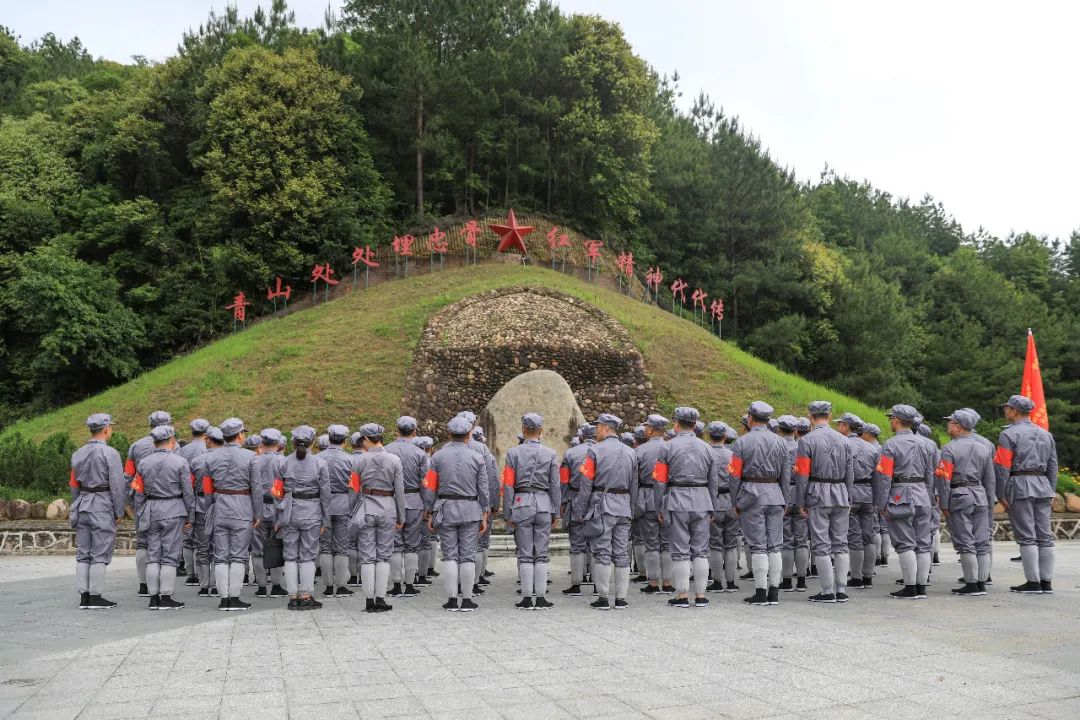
point(945, 470)
point(588, 468)
point(137, 484)
point(509, 477)
point(660, 473)
point(1003, 457)
point(802, 466)
point(73, 482)
point(885, 466)
point(734, 467)
point(354, 481)
point(431, 481)
point(207, 485)
point(129, 467)
point(278, 488)
point(564, 475)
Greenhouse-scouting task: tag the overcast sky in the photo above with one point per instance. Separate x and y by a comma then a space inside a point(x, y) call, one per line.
point(975, 103)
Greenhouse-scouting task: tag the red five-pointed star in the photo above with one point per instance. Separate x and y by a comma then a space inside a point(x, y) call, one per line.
point(511, 234)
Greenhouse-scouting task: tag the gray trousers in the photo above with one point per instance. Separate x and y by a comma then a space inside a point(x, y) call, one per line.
point(688, 534)
point(653, 535)
point(970, 531)
point(411, 537)
point(165, 541)
point(579, 544)
point(95, 537)
point(1031, 521)
point(204, 540)
point(375, 539)
point(341, 537)
point(232, 540)
point(829, 529)
point(861, 526)
point(612, 546)
point(724, 531)
point(300, 541)
point(796, 532)
point(763, 528)
point(533, 537)
point(911, 533)
point(459, 541)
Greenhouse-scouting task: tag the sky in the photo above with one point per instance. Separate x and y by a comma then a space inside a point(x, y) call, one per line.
point(974, 103)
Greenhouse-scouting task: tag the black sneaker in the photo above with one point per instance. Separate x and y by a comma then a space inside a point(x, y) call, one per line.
point(773, 595)
point(483, 581)
point(679, 602)
point(1047, 588)
point(716, 586)
point(542, 603)
point(451, 605)
point(167, 603)
point(489, 573)
point(261, 592)
point(97, 602)
point(343, 592)
point(867, 582)
point(800, 584)
point(181, 569)
point(214, 592)
point(650, 590)
point(525, 603)
point(855, 582)
point(431, 572)
point(310, 603)
point(394, 591)
point(786, 586)
point(477, 590)
point(732, 587)
point(84, 600)
point(467, 605)
point(575, 591)
point(204, 592)
point(382, 606)
point(760, 597)
point(328, 592)
point(971, 589)
point(639, 579)
point(155, 602)
point(1018, 558)
point(989, 581)
point(422, 581)
point(841, 597)
point(920, 591)
point(667, 589)
point(747, 575)
point(224, 605)
point(278, 591)
point(246, 580)
point(294, 604)
point(884, 562)
point(238, 604)
point(900, 581)
point(143, 591)
point(934, 560)
point(621, 604)
point(878, 562)
point(353, 581)
point(600, 603)
point(905, 593)
point(192, 580)
point(410, 591)
point(812, 572)
point(701, 602)
point(823, 598)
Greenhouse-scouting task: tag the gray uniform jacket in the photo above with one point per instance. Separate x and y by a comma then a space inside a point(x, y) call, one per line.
point(381, 471)
point(456, 487)
point(965, 471)
point(229, 469)
point(203, 501)
point(864, 458)
point(792, 445)
point(414, 466)
point(531, 477)
point(96, 467)
point(339, 468)
point(759, 454)
point(823, 470)
point(570, 477)
point(136, 452)
point(265, 469)
point(1026, 462)
point(687, 477)
point(167, 493)
point(935, 458)
point(906, 464)
point(721, 460)
point(647, 453)
point(193, 449)
point(609, 479)
point(491, 473)
point(303, 478)
point(991, 489)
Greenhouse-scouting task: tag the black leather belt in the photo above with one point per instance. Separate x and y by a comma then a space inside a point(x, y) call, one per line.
point(723, 491)
point(377, 492)
point(305, 496)
point(775, 481)
point(339, 492)
point(646, 485)
point(529, 491)
point(412, 490)
point(1033, 471)
point(99, 489)
point(965, 484)
point(909, 481)
point(268, 498)
point(687, 484)
point(864, 481)
point(458, 497)
point(830, 481)
point(218, 491)
point(163, 497)
point(613, 491)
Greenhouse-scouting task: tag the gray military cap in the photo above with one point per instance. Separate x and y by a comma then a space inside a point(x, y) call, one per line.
point(468, 415)
point(639, 432)
point(588, 431)
point(731, 435)
point(773, 425)
point(231, 427)
point(903, 412)
point(160, 417)
point(657, 422)
point(356, 438)
point(406, 423)
point(1020, 403)
point(872, 429)
point(337, 433)
point(819, 407)
point(686, 415)
point(253, 442)
point(424, 442)
point(717, 430)
point(668, 434)
point(627, 438)
point(760, 410)
point(215, 434)
point(804, 425)
point(99, 421)
point(370, 430)
point(532, 421)
point(323, 442)
point(272, 436)
point(699, 428)
point(924, 430)
point(303, 434)
point(852, 420)
point(787, 423)
point(965, 418)
point(161, 433)
point(459, 425)
point(199, 425)
point(612, 421)
point(573, 441)
point(478, 434)
point(745, 420)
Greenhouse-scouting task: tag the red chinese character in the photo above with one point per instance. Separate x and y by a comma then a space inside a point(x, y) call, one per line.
point(698, 298)
point(653, 278)
point(625, 263)
point(564, 240)
point(277, 291)
point(679, 288)
point(324, 273)
point(553, 237)
point(592, 249)
point(717, 309)
point(366, 256)
point(239, 307)
point(437, 241)
point(472, 229)
point(403, 245)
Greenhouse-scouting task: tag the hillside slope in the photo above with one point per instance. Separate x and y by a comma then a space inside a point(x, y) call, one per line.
point(346, 361)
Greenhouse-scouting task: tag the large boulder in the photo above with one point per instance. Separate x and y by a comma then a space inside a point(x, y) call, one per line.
point(1057, 504)
point(1072, 503)
point(539, 391)
point(19, 509)
point(57, 510)
point(38, 510)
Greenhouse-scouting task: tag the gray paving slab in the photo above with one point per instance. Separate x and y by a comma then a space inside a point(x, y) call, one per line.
point(1002, 656)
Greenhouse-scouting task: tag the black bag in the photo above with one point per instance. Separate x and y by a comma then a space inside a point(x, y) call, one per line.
point(273, 549)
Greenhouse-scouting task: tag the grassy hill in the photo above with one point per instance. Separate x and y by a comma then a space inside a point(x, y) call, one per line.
point(346, 361)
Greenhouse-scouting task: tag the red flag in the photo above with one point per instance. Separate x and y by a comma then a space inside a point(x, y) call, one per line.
point(1031, 386)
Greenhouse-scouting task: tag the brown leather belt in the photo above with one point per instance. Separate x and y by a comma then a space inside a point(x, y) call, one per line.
point(376, 492)
point(219, 491)
point(774, 481)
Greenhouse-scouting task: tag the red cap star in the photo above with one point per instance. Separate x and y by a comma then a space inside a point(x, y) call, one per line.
point(511, 235)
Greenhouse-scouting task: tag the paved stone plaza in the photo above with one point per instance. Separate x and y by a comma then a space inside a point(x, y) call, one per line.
point(1002, 656)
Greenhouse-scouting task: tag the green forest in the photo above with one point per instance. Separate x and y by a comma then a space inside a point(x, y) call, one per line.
point(136, 198)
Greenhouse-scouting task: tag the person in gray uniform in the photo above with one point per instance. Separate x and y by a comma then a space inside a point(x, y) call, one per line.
point(195, 447)
point(824, 480)
point(637, 542)
point(1026, 468)
point(356, 445)
point(570, 480)
point(991, 498)
point(414, 466)
point(531, 481)
point(864, 502)
point(136, 452)
point(266, 468)
point(204, 501)
point(608, 491)
point(925, 435)
point(339, 468)
point(379, 515)
point(964, 472)
point(686, 487)
point(795, 554)
point(653, 535)
point(760, 475)
point(478, 442)
point(426, 556)
point(237, 510)
point(98, 493)
point(882, 543)
point(724, 528)
point(302, 504)
point(326, 549)
point(163, 481)
point(905, 464)
point(455, 499)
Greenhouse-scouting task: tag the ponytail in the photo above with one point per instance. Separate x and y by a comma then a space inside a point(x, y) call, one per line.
point(301, 450)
